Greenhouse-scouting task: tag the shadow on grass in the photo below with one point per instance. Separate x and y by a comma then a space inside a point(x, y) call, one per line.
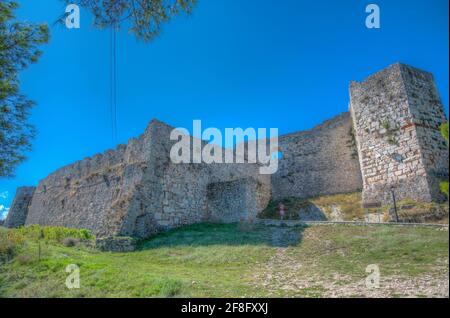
point(207, 234)
point(296, 209)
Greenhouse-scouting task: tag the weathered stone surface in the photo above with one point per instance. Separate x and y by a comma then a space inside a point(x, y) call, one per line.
point(245, 199)
point(116, 244)
point(318, 162)
point(20, 207)
point(396, 114)
point(136, 190)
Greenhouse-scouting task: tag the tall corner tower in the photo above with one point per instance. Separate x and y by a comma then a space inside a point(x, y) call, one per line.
point(396, 116)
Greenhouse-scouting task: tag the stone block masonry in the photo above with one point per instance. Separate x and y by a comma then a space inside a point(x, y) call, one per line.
point(135, 190)
point(396, 115)
point(246, 198)
point(317, 162)
point(389, 138)
point(19, 207)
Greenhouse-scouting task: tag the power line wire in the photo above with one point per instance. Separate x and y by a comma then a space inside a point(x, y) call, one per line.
point(113, 82)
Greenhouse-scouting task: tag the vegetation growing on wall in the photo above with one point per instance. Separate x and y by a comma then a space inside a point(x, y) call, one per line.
point(389, 132)
point(444, 131)
point(349, 208)
point(351, 143)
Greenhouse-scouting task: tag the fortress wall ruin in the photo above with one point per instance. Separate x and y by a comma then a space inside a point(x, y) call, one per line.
point(250, 196)
point(186, 188)
point(389, 138)
point(397, 113)
point(320, 161)
point(136, 190)
point(428, 115)
point(92, 193)
point(19, 207)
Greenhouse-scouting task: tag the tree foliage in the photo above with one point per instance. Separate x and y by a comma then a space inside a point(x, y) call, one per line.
point(145, 17)
point(19, 43)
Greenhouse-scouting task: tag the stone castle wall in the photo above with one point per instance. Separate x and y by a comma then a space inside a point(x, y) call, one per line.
point(428, 115)
point(172, 195)
point(136, 190)
point(389, 138)
point(396, 114)
point(19, 207)
point(317, 162)
point(92, 193)
point(249, 197)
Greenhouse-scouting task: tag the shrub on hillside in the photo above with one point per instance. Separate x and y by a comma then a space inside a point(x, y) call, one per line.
point(444, 187)
point(53, 233)
point(10, 242)
point(444, 132)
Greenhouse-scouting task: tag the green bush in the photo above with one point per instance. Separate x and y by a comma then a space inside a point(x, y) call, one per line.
point(11, 240)
point(444, 187)
point(444, 131)
point(53, 233)
point(10, 243)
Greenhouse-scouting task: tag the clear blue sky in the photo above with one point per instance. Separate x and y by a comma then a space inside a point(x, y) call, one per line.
point(233, 63)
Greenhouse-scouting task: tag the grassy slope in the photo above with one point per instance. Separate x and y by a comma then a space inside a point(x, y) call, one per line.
point(224, 260)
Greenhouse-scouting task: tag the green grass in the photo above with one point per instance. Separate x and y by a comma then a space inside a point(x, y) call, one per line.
point(397, 250)
point(210, 260)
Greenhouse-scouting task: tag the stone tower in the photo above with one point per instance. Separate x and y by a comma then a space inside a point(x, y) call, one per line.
point(19, 207)
point(396, 116)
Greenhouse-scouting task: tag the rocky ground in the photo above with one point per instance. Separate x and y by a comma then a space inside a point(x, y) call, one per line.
point(233, 260)
point(291, 276)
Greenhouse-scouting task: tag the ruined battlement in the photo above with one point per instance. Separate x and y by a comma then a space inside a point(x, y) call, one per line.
point(388, 140)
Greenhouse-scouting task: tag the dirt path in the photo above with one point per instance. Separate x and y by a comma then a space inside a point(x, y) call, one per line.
point(284, 276)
